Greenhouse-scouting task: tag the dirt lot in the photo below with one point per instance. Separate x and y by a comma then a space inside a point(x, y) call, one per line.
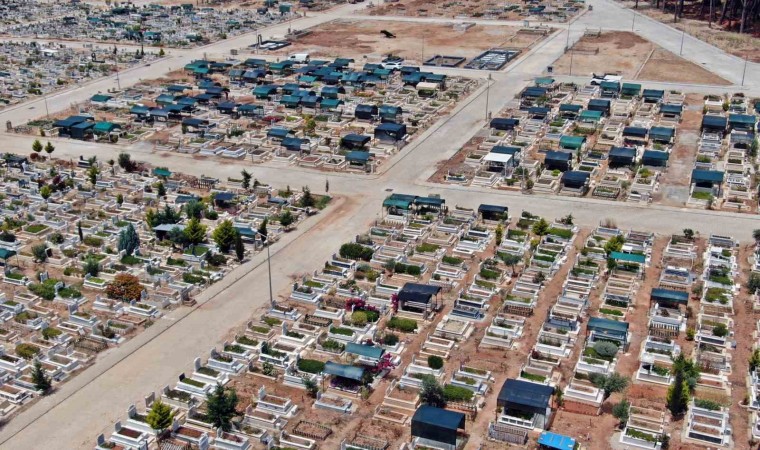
point(487, 9)
point(356, 39)
point(634, 58)
point(742, 45)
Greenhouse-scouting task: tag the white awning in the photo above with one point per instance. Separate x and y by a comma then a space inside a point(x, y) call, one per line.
point(498, 157)
point(423, 86)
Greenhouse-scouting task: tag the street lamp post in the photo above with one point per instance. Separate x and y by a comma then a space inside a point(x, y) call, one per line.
point(683, 35)
point(744, 72)
point(47, 111)
point(633, 22)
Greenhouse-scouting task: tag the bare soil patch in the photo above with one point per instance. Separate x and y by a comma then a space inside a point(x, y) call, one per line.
point(633, 57)
point(696, 24)
point(357, 39)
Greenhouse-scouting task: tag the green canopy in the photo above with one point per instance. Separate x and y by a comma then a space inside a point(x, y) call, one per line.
point(162, 173)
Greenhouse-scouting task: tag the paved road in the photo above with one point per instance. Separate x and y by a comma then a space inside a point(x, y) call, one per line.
point(89, 404)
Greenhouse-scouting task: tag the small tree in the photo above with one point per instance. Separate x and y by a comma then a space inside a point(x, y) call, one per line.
point(287, 219)
point(541, 227)
point(124, 287)
point(79, 230)
point(307, 200)
point(311, 387)
point(177, 237)
point(432, 393)
point(129, 241)
point(224, 236)
point(91, 266)
point(239, 247)
point(435, 362)
point(37, 146)
point(160, 417)
point(40, 253)
point(511, 260)
point(119, 199)
point(688, 233)
point(40, 379)
point(754, 360)
point(221, 405)
point(621, 411)
point(194, 209)
point(678, 395)
point(499, 234)
point(246, 179)
point(92, 174)
point(611, 383)
point(46, 191)
point(49, 148)
point(195, 232)
point(263, 227)
point(126, 163)
point(161, 189)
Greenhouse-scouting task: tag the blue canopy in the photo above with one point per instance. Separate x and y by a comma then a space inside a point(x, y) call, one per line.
point(556, 441)
point(343, 371)
point(368, 351)
point(670, 296)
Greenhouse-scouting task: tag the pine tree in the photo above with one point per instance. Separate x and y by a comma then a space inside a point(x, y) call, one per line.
point(119, 199)
point(161, 189)
point(195, 232)
point(79, 229)
point(129, 241)
point(224, 236)
point(40, 379)
point(92, 174)
point(246, 179)
point(160, 416)
point(263, 227)
point(37, 146)
point(432, 393)
point(221, 405)
point(239, 247)
point(49, 148)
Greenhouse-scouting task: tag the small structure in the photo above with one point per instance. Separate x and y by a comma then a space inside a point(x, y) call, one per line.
point(556, 160)
point(419, 298)
point(621, 156)
point(548, 440)
point(608, 329)
point(525, 404)
point(707, 180)
point(390, 132)
point(438, 428)
point(493, 212)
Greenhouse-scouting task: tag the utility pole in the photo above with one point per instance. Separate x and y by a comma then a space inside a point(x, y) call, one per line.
point(572, 52)
point(683, 35)
point(488, 92)
point(633, 22)
point(744, 72)
point(47, 111)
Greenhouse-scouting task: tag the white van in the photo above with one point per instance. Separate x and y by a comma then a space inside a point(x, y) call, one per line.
point(299, 58)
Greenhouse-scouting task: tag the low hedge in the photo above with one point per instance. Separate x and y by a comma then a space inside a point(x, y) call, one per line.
point(311, 366)
point(403, 325)
point(457, 394)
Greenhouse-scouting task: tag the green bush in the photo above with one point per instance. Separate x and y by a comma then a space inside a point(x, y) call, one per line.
point(27, 351)
point(403, 325)
point(46, 289)
point(435, 362)
point(311, 366)
point(457, 394)
point(390, 339)
point(359, 318)
point(352, 250)
point(606, 348)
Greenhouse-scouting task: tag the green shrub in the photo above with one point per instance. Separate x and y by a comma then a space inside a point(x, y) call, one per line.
point(311, 366)
point(403, 325)
point(457, 394)
point(390, 339)
point(359, 318)
point(27, 351)
point(435, 362)
point(352, 250)
point(606, 348)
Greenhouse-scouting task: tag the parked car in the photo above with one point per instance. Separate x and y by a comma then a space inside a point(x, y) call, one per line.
point(299, 58)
